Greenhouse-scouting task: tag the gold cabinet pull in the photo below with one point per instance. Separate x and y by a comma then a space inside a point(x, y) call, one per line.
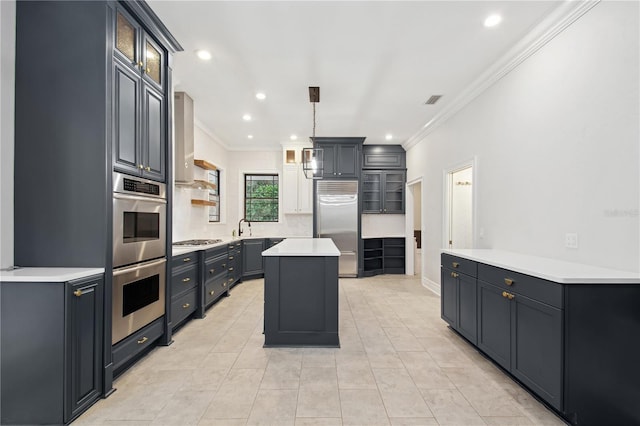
point(231, 269)
point(141, 166)
point(186, 280)
point(230, 257)
point(212, 292)
point(504, 294)
point(455, 264)
point(140, 64)
point(186, 305)
point(508, 281)
point(144, 339)
point(508, 295)
point(148, 168)
point(78, 293)
point(454, 275)
point(148, 70)
point(186, 259)
point(211, 271)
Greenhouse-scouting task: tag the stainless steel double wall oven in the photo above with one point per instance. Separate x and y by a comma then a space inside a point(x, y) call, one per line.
point(139, 253)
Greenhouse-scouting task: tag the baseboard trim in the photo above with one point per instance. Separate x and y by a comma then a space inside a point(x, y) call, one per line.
point(431, 285)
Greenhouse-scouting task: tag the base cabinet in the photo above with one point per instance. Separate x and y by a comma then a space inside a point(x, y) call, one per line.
point(50, 350)
point(459, 302)
point(383, 256)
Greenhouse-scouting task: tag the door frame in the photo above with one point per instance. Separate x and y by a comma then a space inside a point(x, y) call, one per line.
point(446, 198)
point(408, 217)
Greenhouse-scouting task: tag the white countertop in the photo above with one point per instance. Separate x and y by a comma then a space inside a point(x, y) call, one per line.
point(54, 275)
point(549, 269)
point(304, 247)
point(179, 250)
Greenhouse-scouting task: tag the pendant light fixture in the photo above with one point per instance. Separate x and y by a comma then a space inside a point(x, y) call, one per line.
point(312, 164)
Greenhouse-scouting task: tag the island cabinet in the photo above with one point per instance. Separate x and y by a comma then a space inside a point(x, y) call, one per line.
point(301, 312)
point(51, 343)
point(459, 296)
point(340, 156)
point(561, 329)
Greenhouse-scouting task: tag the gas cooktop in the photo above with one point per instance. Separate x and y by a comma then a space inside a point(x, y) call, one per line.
point(196, 242)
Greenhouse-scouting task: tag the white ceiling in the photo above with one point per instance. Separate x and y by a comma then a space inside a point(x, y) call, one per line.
point(376, 62)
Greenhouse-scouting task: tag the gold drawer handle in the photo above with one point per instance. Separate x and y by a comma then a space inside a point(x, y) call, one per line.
point(186, 305)
point(454, 275)
point(508, 281)
point(224, 284)
point(148, 168)
point(230, 247)
point(186, 280)
point(186, 259)
point(211, 271)
point(212, 292)
point(78, 293)
point(230, 257)
point(144, 339)
point(508, 295)
point(231, 269)
point(455, 264)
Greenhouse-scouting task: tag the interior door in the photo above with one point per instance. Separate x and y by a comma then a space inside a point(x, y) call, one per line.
point(461, 208)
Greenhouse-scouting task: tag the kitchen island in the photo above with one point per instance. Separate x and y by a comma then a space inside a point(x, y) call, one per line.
point(301, 293)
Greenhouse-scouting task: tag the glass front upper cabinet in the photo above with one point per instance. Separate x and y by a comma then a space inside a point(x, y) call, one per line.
point(153, 62)
point(126, 36)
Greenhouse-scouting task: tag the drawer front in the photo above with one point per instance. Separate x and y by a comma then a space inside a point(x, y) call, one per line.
point(183, 306)
point(215, 267)
point(184, 259)
point(137, 342)
point(214, 253)
point(183, 279)
point(214, 290)
point(458, 264)
point(535, 288)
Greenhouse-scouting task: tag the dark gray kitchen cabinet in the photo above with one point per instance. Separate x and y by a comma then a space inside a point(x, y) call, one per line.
point(252, 264)
point(234, 257)
point(494, 324)
point(139, 103)
point(341, 156)
point(51, 349)
point(383, 157)
point(383, 191)
point(459, 297)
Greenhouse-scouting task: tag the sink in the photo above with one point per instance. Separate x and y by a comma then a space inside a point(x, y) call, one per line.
point(197, 242)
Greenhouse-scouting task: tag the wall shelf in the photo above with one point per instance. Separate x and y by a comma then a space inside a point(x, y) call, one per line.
point(203, 164)
point(203, 184)
point(197, 202)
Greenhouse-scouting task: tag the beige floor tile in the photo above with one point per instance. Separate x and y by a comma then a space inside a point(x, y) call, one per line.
point(384, 360)
point(449, 407)
point(413, 421)
point(318, 402)
point(400, 395)
point(490, 400)
point(252, 357)
point(319, 357)
point(355, 377)
point(319, 378)
point(219, 360)
point(362, 407)
point(402, 339)
point(185, 408)
point(222, 422)
point(274, 407)
point(318, 421)
point(235, 397)
point(281, 376)
point(508, 421)
point(204, 380)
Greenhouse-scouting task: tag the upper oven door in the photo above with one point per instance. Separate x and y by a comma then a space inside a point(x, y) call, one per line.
point(139, 228)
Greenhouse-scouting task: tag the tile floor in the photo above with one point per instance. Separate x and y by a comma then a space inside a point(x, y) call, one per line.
point(398, 365)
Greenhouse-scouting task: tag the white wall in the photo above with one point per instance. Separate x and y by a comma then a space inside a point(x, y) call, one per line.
point(557, 149)
point(383, 225)
point(7, 114)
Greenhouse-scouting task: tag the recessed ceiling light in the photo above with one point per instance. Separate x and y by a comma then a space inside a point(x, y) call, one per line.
point(492, 21)
point(388, 136)
point(293, 137)
point(205, 55)
point(249, 136)
point(246, 117)
point(261, 96)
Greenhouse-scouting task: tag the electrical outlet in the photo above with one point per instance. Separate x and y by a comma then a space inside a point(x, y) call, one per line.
point(571, 240)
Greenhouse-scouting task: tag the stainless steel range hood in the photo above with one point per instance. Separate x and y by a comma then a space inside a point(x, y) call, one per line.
point(183, 126)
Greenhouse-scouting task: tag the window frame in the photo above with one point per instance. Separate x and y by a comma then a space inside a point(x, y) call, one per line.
point(214, 195)
point(275, 175)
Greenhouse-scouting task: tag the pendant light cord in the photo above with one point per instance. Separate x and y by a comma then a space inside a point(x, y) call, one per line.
point(314, 119)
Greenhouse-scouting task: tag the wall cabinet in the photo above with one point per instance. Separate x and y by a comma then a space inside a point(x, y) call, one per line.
point(297, 190)
point(383, 157)
point(51, 350)
point(139, 102)
point(383, 191)
point(341, 157)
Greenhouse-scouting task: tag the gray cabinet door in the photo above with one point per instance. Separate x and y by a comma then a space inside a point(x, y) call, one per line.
point(536, 348)
point(153, 134)
point(328, 160)
point(393, 187)
point(467, 307)
point(371, 192)
point(347, 165)
point(252, 257)
point(449, 297)
point(494, 324)
point(84, 340)
point(126, 132)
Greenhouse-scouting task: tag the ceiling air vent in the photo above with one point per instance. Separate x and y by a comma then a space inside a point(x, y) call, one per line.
point(433, 99)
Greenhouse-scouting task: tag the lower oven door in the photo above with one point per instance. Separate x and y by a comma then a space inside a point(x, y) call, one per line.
point(138, 297)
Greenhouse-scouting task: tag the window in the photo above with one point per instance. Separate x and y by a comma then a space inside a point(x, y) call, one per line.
point(213, 176)
point(261, 197)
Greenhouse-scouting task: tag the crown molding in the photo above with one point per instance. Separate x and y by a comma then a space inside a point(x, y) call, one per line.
point(553, 24)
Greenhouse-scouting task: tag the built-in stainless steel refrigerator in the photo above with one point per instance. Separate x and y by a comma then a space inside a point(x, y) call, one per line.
point(336, 217)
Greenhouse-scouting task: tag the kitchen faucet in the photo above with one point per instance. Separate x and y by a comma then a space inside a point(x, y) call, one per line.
point(240, 226)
